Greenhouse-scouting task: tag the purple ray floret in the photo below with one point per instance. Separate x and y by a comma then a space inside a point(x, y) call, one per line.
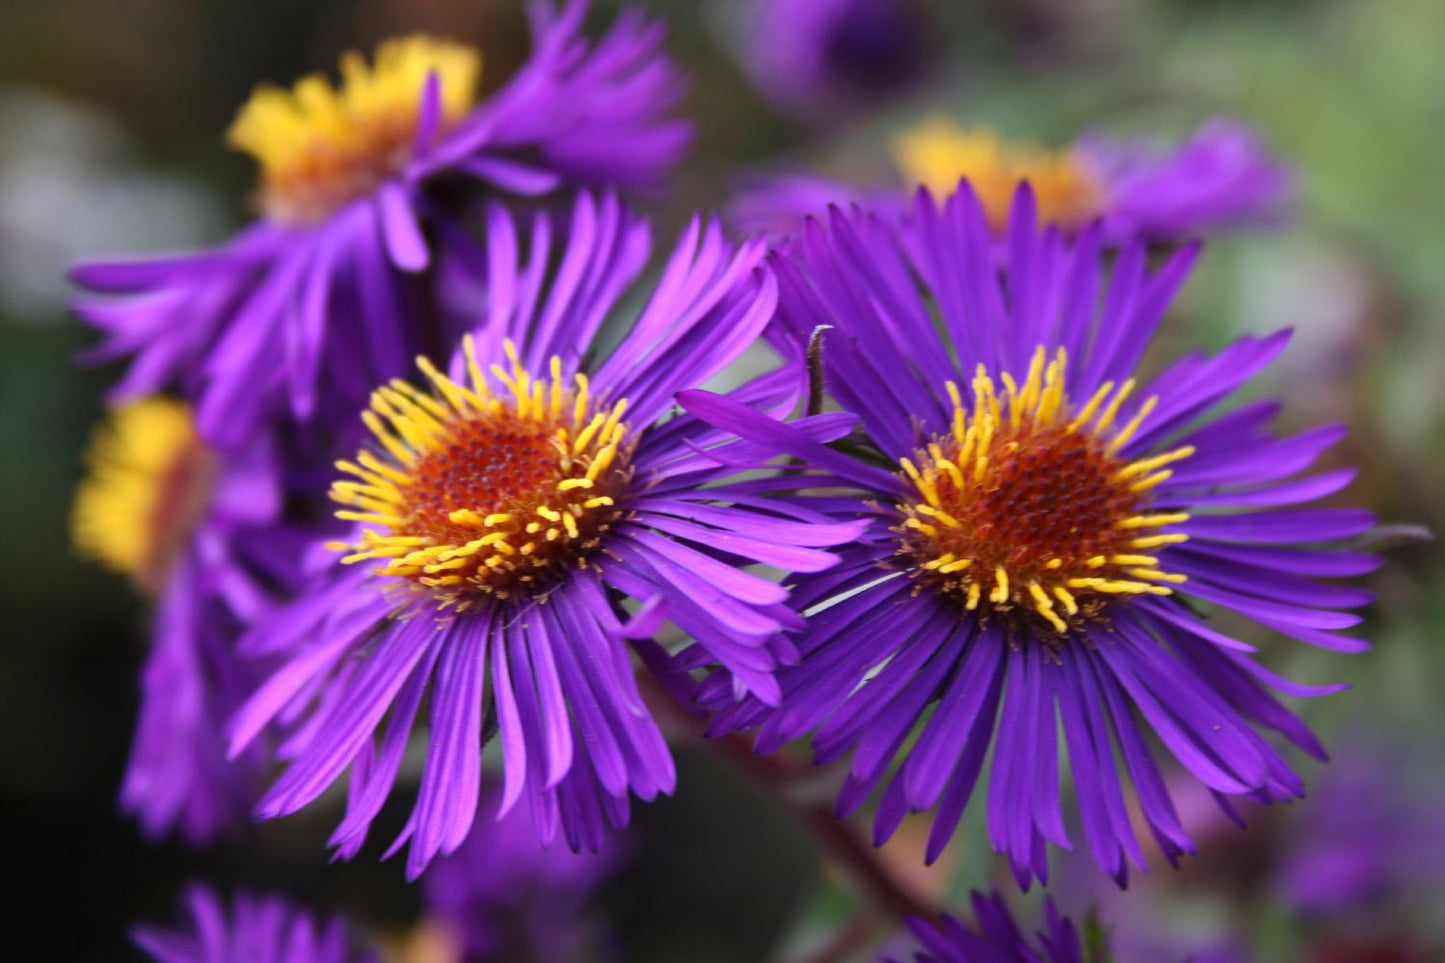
point(253, 929)
point(994, 937)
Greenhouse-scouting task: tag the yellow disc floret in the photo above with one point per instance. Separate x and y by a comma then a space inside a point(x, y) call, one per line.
point(320, 146)
point(938, 152)
point(1026, 506)
point(487, 493)
point(148, 483)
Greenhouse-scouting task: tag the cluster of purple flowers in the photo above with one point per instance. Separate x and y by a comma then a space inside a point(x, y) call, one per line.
point(998, 548)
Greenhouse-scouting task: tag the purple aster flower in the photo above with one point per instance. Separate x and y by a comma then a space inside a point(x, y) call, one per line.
point(1127, 944)
point(1222, 176)
point(501, 896)
point(995, 937)
point(1351, 843)
point(350, 221)
point(778, 206)
point(504, 514)
point(822, 58)
point(1045, 540)
point(196, 532)
point(256, 929)
point(1371, 832)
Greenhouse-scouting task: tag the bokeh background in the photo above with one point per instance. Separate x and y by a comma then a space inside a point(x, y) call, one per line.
point(111, 117)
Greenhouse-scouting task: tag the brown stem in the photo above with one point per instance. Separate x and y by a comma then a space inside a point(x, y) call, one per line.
point(846, 940)
point(860, 858)
point(816, 383)
point(782, 776)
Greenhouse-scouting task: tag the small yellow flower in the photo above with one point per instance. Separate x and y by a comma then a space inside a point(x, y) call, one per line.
point(149, 482)
point(320, 146)
point(938, 152)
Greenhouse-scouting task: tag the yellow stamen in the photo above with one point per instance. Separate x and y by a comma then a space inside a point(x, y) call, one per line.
point(1154, 521)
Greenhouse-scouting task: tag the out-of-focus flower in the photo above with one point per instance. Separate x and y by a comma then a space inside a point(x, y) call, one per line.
point(778, 206)
point(197, 532)
point(503, 514)
point(823, 59)
point(501, 896)
point(1368, 843)
point(253, 929)
point(995, 937)
point(1028, 561)
point(1130, 945)
point(1369, 832)
point(1221, 177)
point(938, 153)
point(350, 217)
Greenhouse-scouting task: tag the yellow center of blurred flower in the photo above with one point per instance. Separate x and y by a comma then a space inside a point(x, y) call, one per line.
point(1025, 504)
point(937, 153)
point(487, 494)
point(321, 146)
point(432, 940)
point(149, 482)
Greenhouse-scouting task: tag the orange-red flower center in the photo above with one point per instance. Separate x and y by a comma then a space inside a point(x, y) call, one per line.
point(1026, 504)
point(487, 493)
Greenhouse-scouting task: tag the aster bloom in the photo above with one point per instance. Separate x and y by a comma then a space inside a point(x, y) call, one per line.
point(996, 937)
point(1048, 541)
point(253, 929)
point(1220, 177)
point(501, 896)
point(1371, 832)
point(350, 223)
point(195, 533)
point(501, 517)
point(821, 58)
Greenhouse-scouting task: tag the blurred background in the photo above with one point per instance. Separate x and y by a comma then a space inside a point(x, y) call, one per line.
point(111, 116)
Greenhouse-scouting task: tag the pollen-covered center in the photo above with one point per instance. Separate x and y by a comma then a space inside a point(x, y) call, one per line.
point(150, 482)
point(1026, 505)
point(937, 153)
point(320, 146)
point(487, 493)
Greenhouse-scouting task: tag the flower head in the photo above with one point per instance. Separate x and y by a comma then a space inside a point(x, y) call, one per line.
point(503, 515)
point(501, 896)
point(253, 929)
point(149, 483)
point(320, 146)
point(1370, 834)
point(352, 230)
point(821, 59)
point(1222, 176)
point(196, 532)
point(938, 153)
point(996, 937)
point(1040, 552)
